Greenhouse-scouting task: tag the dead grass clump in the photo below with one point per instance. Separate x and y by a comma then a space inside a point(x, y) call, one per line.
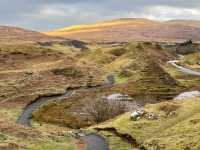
point(68, 72)
point(168, 107)
point(118, 52)
point(61, 115)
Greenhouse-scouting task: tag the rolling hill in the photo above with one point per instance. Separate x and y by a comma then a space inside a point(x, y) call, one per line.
point(124, 30)
point(69, 76)
point(8, 33)
point(192, 23)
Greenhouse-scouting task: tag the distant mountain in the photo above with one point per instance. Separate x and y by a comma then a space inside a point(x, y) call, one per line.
point(192, 23)
point(129, 29)
point(8, 33)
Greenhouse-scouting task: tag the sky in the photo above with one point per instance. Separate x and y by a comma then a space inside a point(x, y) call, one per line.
point(46, 15)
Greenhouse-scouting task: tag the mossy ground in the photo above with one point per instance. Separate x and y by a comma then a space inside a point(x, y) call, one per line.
point(116, 142)
point(136, 63)
point(168, 132)
point(44, 137)
point(59, 143)
point(192, 61)
point(140, 70)
point(24, 75)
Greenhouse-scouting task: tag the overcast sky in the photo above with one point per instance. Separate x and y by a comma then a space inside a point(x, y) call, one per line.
point(46, 15)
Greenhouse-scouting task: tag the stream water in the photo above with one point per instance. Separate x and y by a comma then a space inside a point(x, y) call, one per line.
point(93, 141)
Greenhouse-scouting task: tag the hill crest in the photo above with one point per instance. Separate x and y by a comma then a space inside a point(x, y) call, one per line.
point(132, 29)
point(9, 33)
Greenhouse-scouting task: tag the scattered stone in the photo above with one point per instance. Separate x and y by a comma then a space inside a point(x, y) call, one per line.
point(76, 134)
point(119, 97)
point(137, 115)
point(151, 116)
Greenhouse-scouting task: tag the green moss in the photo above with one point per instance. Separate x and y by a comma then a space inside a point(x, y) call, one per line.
point(116, 142)
point(3, 137)
point(120, 79)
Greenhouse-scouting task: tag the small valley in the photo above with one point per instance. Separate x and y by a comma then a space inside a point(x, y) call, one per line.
point(80, 92)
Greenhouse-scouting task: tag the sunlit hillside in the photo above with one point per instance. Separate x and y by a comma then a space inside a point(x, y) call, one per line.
point(124, 30)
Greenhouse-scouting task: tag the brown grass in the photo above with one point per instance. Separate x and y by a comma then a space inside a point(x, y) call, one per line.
point(168, 107)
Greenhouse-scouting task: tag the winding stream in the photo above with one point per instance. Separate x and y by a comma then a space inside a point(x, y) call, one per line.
point(26, 115)
point(93, 141)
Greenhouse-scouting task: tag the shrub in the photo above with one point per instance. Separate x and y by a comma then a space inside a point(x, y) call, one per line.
point(102, 109)
point(140, 46)
point(147, 43)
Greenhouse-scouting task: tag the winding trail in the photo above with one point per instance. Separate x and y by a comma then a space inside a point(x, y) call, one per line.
point(183, 69)
point(93, 141)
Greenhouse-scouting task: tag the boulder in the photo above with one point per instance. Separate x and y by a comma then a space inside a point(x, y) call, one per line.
point(187, 95)
point(136, 115)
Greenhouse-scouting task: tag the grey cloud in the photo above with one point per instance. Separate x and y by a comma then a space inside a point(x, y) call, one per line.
point(50, 14)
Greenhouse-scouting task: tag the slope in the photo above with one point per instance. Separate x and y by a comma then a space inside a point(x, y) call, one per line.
point(177, 131)
point(8, 33)
point(123, 30)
